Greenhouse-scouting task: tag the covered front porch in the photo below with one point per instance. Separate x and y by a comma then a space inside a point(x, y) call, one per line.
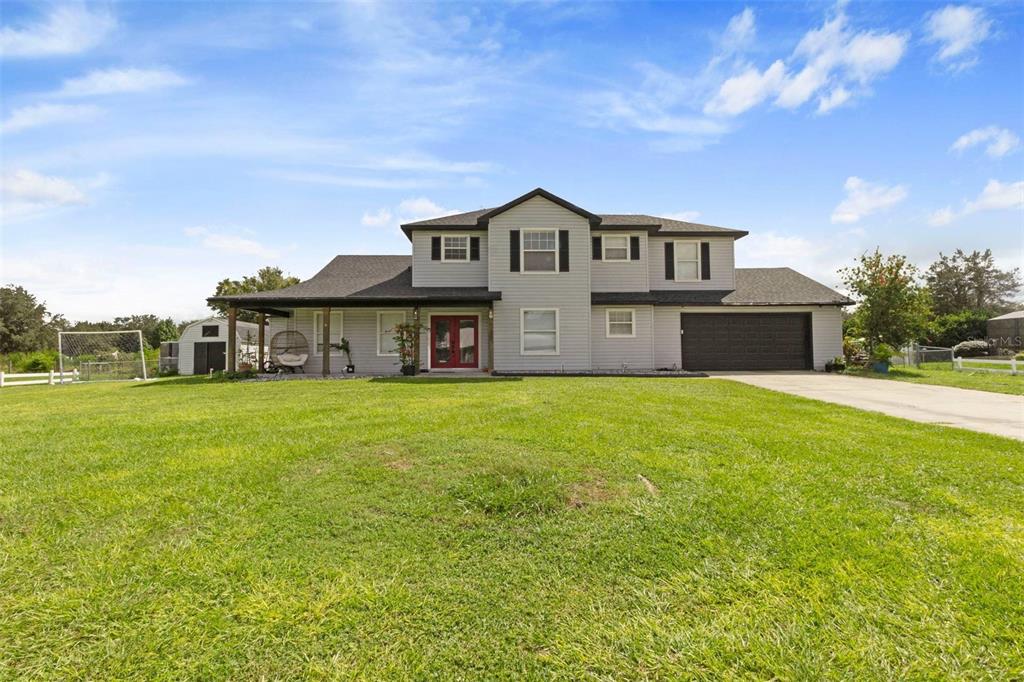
point(452, 338)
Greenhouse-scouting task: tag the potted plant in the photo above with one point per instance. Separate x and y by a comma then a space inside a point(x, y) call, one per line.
point(880, 356)
point(345, 348)
point(836, 364)
point(406, 337)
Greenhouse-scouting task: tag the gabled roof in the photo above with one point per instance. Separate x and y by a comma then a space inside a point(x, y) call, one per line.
point(362, 280)
point(754, 286)
point(1015, 315)
point(478, 219)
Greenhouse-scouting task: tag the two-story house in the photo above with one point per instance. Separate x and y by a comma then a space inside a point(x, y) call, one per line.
point(540, 284)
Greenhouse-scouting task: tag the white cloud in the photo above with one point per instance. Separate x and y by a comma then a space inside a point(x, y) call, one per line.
point(46, 114)
point(26, 193)
point(772, 248)
point(747, 90)
point(379, 218)
point(831, 62)
point(115, 81)
point(959, 30)
point(864, 198)
point(740, 31)
point(230, 243)
point(685, 216)
point(1000, 141)
point(421, 208)
point(996, 196)
point(67, 29)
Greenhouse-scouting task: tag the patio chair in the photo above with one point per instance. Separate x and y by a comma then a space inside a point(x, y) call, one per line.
point(289, 350)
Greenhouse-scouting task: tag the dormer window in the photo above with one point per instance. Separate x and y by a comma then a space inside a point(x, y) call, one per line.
point(455, 248)
point(540, 251)
point(615, 247)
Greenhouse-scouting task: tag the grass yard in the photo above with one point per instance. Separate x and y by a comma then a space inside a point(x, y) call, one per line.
point(189, 529)
point(942, 374)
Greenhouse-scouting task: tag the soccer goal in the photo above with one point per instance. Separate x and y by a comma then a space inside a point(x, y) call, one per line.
point(101, 356)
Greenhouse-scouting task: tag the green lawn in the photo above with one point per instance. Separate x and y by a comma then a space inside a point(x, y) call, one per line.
point(189, 529)
point(942, 374)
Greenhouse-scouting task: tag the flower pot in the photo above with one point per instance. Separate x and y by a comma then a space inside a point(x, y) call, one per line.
point(408, 370)
point(880, 367)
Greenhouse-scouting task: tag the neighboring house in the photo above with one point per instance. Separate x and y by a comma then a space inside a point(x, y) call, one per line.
point(540, 284)
point(203, 345)
point(1006, 331)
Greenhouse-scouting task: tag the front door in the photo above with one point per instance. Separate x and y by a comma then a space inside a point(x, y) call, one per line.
point(454, 341)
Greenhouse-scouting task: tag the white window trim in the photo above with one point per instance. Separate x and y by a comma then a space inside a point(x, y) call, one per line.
point(675, 259)
point(318, 329)
point(379, 314)
point(604, 249)
point(455, 260)
point(608, 323)
point(522, 332)
point(522, 253)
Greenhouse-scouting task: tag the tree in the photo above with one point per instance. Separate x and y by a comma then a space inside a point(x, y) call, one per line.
point(266, 279)
point(971, 282)
point(892, 307)
point(25, 325)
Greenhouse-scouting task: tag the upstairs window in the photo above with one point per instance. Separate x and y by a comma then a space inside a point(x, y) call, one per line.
point(687, 261)
point(540, 251)
point(615, 247)
point(455, 248)
point(210, 331)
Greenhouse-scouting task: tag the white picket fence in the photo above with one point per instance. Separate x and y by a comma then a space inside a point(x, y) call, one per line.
point(34, 378)
point(975, 365)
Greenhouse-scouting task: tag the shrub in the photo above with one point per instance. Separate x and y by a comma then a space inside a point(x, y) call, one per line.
point(1019, 356)
point(970, 349)
point(853, 350)
point(952, 328)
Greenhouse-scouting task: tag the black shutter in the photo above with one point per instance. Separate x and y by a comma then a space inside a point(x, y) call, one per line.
point(670, 260)
point(634, 248)
point(513, 251)
point(563, 250)
point(435, 248)
point(705, 260)
point(474, 248)
point(595, 248)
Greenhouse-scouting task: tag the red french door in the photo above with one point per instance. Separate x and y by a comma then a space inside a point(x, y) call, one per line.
point(454, 341)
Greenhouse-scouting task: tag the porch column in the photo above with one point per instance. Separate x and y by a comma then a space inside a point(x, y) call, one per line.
point(416, 348)
point(490, 339)
point(232, 338)
point(326, 336)
point(261, 335)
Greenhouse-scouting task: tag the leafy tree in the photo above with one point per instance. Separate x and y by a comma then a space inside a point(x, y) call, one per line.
point(971, 281)
point(266, 279)
point(25, 324)
point(892, 307)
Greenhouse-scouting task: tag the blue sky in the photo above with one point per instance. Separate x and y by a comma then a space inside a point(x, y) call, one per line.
point(149, 150)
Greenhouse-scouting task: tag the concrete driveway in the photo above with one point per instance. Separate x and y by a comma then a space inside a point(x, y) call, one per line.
point(996, 413)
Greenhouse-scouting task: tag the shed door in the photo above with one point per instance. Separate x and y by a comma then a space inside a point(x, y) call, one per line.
point(742, 341)
point(209, 355)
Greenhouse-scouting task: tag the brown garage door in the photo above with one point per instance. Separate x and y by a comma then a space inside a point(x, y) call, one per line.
point(746, 340)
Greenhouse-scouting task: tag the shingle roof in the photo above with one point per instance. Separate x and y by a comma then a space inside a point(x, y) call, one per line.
point(1009, 316)
point(362, 279)
point(478, 219)
point(754, 286)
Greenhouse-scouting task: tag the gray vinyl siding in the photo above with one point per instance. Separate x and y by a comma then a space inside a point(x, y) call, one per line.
point(617, 353)
point(723, 276)
point(631, 275)
point(569, 292)
point(435, 273)
point(826, 330)
point(359, 326)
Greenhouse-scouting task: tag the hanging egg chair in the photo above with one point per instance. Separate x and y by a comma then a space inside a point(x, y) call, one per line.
point(289, 349)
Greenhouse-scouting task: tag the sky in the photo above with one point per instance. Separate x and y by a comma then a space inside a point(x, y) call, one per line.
point(149, 149)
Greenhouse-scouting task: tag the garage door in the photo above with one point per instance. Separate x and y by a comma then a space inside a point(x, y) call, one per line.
point(746, 341)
